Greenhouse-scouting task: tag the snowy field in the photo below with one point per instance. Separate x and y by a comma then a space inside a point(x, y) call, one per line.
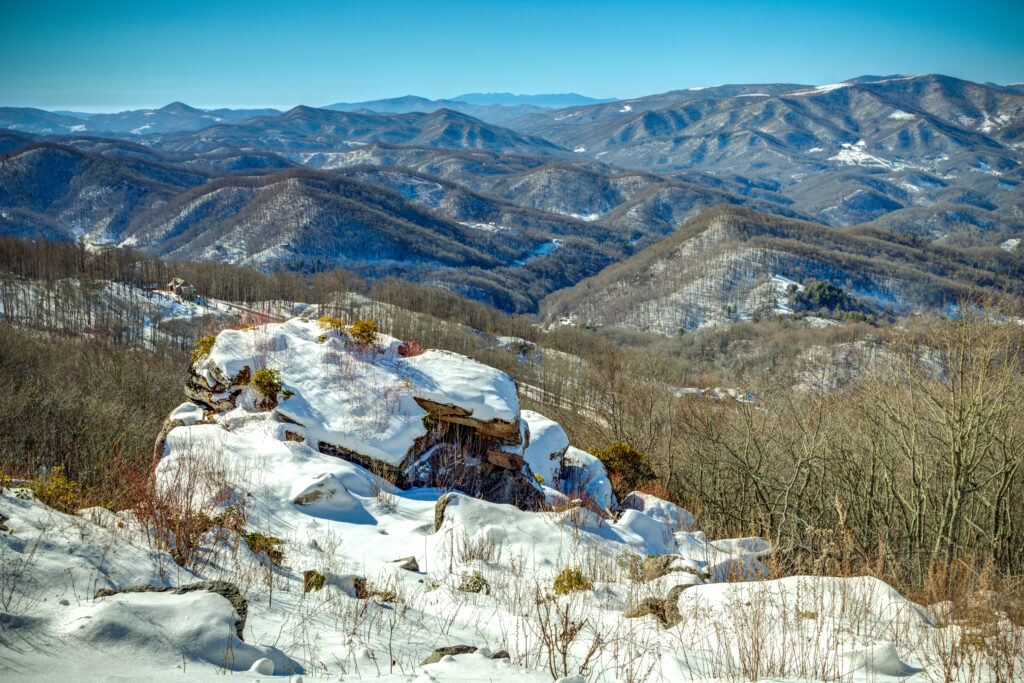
point(335, 572)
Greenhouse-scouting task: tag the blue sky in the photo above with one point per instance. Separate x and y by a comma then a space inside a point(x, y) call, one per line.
point(106, 56)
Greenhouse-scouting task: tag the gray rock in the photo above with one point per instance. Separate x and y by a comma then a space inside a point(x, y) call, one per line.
point(409, 564)
point(226, 589)
point(646, 606)
point(439, 507)
point(665, 609)
point(500, 654)
point(161, 438)
point(672, 615)
point(440, 652)
point(309, 497)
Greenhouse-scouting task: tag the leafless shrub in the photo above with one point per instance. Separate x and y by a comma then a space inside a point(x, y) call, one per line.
point(480, 547)
point(558, 624)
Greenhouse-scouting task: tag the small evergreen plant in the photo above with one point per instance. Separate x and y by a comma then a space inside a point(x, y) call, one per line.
point(571, 579)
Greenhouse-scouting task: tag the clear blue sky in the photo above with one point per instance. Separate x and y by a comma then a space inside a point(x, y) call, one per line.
point(101, 56)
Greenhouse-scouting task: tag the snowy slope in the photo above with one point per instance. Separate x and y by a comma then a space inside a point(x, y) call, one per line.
point(407, 570)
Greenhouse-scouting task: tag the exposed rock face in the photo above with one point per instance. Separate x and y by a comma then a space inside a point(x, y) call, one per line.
point(309, 497)
point(504, 459)
point(672, 615)
point(494, 429)
point(220, 394)
point(223, 588)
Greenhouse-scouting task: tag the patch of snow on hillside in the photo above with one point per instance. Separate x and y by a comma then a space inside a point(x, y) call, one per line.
point(983, 167)
point(580, 149)
point(488, 227)
point(419, 190)
point(542, 250)
point(812, 150)
point(141, 129)
point(821, 89)
point(1010, 244)
point(900, 115)
point(855, 154)
point(77, 129)
point(625, 108)
point(818, 322)
point(988, 125)
point(781, 286)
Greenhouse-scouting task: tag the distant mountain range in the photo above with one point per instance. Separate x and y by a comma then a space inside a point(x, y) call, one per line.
point(488, 112)
point(524, 200)
point(555, 101)
point(489, 107)
point(173, 117)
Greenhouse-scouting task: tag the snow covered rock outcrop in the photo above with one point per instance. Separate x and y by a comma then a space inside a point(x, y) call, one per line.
point(433, 419)
point(545, 453)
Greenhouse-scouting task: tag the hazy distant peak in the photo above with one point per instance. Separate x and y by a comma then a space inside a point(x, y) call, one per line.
point(179, 108)
point(553, 101)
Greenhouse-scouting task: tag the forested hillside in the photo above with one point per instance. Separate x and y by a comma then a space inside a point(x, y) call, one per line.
point(732, 264)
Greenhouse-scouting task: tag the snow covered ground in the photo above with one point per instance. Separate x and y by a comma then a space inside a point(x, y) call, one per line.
point(404, 571)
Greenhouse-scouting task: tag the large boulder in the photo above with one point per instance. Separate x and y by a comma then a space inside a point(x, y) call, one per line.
point(434, 419)
point(225, 589)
